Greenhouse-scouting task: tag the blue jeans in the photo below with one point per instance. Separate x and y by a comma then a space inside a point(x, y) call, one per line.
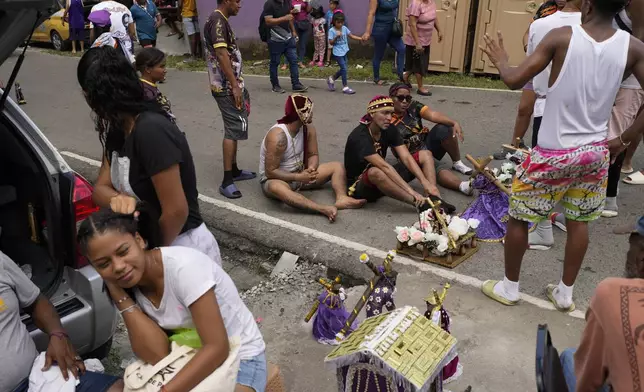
point(253, 373)
point(343, 63)
point(89, 382)
point(382, 37)
point(276, 50)
point(304, 40)
point(568, 364)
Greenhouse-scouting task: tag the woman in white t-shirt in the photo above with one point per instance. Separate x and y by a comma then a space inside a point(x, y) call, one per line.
point(160, 290)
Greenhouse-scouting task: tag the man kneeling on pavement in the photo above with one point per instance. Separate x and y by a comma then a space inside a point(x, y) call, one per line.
point(372, 177)
point(18, 349)
point(289, 162)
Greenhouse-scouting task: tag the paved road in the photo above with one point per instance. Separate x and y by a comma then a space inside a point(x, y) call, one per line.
point(56, 104)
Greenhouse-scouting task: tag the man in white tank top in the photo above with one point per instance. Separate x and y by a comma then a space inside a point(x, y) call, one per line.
point(627, 104)
point(570, 162)
point(289, 162)
point(542, 238)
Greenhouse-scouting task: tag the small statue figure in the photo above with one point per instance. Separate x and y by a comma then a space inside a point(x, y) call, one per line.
point(385, 288)
point(330, 313)
point(20, 98)
point(384, 278)
point(438, 315)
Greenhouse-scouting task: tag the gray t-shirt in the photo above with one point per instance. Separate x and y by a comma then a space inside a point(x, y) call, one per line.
point(18, 349)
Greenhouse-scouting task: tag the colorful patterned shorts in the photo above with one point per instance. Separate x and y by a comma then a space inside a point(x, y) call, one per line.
point(577, 177)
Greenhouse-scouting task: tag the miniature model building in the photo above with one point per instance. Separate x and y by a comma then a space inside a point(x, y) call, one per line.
point(330, 313)
point(400, 351)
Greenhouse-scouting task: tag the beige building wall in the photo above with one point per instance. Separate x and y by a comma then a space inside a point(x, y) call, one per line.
point(510, 17)
point(452, 15)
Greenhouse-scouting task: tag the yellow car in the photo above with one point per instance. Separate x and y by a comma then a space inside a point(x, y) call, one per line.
point(52, 30)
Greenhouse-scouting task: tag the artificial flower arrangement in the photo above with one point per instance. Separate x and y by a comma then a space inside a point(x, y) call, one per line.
point(437, 232)
point(507, 171)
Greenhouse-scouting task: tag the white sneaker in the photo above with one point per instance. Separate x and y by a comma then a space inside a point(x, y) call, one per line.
point(541, 238)
point(559, 221)
point(462, 168)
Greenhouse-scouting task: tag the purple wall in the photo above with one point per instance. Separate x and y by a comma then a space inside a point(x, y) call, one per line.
point(245, 24)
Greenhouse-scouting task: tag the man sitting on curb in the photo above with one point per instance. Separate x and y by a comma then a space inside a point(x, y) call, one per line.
point(289, 162)
point(611, 350)
point(373, 177)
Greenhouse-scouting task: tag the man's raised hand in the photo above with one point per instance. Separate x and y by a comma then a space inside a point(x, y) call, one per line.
point(495, 51)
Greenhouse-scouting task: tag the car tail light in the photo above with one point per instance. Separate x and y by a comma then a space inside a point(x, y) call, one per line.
point(83, 207)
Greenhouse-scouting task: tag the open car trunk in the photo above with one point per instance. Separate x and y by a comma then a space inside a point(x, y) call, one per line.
point(25, 204)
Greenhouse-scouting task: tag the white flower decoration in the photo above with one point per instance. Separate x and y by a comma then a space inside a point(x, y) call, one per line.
point(377, 290)
point(376, 312)
point(378, 299)
point(473, 223)
point(371, 298)
point(415, 236)
point(458, 227)
point(402, 233)
point(388, 304)
point(368, 307)
point(385, 290)
point(508, 167)
point(504, 177)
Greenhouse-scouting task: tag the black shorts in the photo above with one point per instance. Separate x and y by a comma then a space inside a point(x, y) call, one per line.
point(364, 189)
point(235, 120)
point(536, 124)
point(148, 42)
point(415, 63)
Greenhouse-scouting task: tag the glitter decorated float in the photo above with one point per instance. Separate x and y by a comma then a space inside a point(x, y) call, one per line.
point(438, 237)
point(330, 313)
point(401, 351)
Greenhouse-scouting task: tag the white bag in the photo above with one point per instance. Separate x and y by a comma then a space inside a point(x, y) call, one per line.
point(143, 377)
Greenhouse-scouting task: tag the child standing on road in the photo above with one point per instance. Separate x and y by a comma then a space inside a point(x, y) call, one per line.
point(319, 37)
point(334, 6)
point(150, 62)
point(339, 37)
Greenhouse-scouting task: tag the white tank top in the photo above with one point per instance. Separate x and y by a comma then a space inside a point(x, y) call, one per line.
point(630, 82)
point(581, 99)
point(293, 157)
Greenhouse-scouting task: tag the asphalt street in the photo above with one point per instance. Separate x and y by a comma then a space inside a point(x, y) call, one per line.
point(56, 105)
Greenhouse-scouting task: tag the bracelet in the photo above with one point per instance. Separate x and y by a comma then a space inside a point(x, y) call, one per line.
point(59, 334)
point(120, 301)
point(128, 309)
point(624, 144)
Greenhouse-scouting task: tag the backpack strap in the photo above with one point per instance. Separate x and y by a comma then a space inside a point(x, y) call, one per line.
point(622, 25)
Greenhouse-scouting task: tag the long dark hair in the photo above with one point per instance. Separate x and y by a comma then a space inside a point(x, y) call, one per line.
point(146, 224)
point(113, 91)
point(148, 58)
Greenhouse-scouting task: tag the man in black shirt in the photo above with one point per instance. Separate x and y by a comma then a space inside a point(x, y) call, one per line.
point(371, 176)
point(282, 39)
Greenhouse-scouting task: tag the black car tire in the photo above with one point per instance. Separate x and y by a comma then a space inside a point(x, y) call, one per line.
point(57, 41)
point(101, 352)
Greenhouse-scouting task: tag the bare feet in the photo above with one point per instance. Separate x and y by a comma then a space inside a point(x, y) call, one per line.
point(330, 212)
point(346, 202)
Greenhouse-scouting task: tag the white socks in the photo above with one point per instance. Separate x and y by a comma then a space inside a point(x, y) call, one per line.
point(466, 188)
point(507, 289)
point(611, 204)
point(462, 168)
point(563, 295)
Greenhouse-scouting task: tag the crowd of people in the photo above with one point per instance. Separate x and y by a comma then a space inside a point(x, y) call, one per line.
point(162, 265)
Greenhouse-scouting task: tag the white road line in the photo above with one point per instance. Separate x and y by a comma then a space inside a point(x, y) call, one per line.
point(443, 273)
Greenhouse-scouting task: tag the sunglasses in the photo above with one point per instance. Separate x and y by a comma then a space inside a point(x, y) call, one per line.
point(403, 98)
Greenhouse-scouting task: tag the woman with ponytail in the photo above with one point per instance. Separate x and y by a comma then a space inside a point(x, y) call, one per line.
point(145, 156)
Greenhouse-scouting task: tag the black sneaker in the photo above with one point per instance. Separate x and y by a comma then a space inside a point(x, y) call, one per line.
point(300, 88)
point(278, 89)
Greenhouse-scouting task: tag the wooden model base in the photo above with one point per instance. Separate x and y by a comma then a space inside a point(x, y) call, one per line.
point(466, 246)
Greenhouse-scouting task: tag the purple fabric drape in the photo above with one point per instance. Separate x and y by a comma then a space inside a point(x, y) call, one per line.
point(330, 318)
point(490, 208)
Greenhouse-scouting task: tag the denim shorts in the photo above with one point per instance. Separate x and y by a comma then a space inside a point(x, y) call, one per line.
point(191, 25)
point(89, 382)
point(253, 373)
